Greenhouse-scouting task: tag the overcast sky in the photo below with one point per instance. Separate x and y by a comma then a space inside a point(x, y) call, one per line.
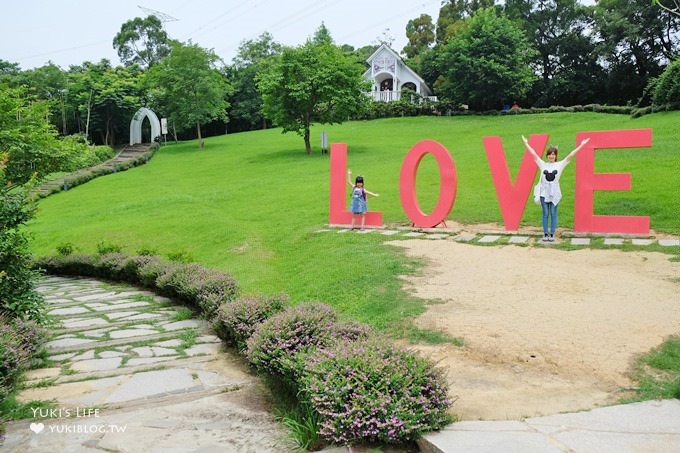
point(69, 32)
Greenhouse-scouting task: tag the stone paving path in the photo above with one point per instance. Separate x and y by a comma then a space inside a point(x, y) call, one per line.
point(500, 238)
point(132, 371)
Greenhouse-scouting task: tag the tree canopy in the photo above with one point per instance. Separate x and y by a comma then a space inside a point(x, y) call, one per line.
point(142, 41)
point(189, 88)
point(487, 63)
point(312, 83)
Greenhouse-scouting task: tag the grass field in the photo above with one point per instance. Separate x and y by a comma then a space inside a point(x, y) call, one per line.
point(250, 203)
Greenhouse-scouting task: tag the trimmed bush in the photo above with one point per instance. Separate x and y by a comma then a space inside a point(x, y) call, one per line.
point(20, 341)
point(194, 284)
point(235, 322)
point(373, 391)
point(274, 345)
point(150, 268)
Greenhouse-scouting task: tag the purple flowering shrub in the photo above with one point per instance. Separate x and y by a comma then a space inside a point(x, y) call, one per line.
point(276, 342)
point(20, 341)
point(197, 285)
point(372, 391)
point(236, 321)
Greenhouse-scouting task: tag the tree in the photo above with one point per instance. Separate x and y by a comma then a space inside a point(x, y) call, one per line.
point(104, 99)
point(29, 143)
point(25, 146)
point(189, 87)
point(420, 34)
point(567, 58)
point(246, 102)
point(142, 41)
point(312, 83)
point(487, 63)
point(49, 82)
point(453, 16)
point(638, 39)
point(672, 6)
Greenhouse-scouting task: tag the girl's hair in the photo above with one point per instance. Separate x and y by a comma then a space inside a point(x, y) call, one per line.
point(552, 149)
point(360, 179)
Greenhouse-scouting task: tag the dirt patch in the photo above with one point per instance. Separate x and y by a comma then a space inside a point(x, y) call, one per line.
point(545, 331)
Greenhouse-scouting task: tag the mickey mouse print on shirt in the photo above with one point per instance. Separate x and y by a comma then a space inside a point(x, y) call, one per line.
point(550, 180)
point(550, 175)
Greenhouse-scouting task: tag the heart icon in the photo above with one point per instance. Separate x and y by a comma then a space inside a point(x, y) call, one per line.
point(37, 427)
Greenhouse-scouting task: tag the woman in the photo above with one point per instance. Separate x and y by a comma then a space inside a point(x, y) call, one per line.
point(551, 194)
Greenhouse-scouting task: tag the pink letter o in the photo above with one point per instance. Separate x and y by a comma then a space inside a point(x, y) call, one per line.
point(447, 184)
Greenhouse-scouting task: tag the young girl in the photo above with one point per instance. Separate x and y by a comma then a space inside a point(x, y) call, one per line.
point(551, 194)
point(359, 194)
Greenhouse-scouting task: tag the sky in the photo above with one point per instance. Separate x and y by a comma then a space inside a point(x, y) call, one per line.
point(69, 32)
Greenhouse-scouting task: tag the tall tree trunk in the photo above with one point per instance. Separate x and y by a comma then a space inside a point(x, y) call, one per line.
point(308, 145)
point(198, 131)
point(87, 123)
point(63, 115)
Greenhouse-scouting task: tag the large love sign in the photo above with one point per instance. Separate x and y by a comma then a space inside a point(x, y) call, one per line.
point(512, 197)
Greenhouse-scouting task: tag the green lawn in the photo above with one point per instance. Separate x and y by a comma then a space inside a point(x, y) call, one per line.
point(250, 203)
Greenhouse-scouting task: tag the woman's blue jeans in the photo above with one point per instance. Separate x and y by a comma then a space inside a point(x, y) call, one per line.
point(549, 210)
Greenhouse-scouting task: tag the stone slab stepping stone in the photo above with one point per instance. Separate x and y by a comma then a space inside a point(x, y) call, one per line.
point(111, 307)
point(153, 351)
point(120, 314)
point(642, 241)
point(68, 311)
point(613, 241)
point(87, 355)
point(143, 316)
point(152, 384)
point(208, 339)
point(88, 392)
point(83, 322)
point(518, 239)
point(148, 360)
point(66, 342)
point(205, 348)
point(42, 373)
point(110, 354)
point(488, 239)
point(437, 236)
point(60, 357)
point(669, 242)
point(389, 232)
point(129, 333)
point(97, 364)
point(580, 241)
point(95, 296)
point(464, 237)
point(170, 343)
point(414, 234)
point(186, 324)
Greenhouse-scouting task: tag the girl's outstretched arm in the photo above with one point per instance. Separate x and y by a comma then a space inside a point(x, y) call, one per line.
point(349, 177)
point(577, 149)
point(531, 150)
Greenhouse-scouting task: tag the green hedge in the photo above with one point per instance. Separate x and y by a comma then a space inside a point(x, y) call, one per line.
point(82, 176)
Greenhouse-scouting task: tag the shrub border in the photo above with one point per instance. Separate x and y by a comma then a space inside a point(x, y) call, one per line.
point(209, 291)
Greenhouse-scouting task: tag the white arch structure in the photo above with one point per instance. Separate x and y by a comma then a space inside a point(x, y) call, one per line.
point(136, 125)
